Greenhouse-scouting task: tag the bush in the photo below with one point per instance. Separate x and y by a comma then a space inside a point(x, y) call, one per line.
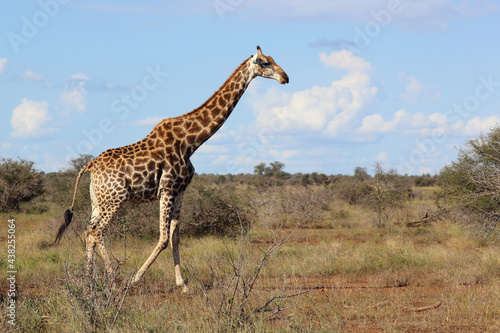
point(19, 183)
point(140, 221)
point(218, 211)
point(61, 187)
point(381, 193)
point(473, 182)
point(352, 189)
point(288, 207)
point(425, 180)
point(206, 210)
point(389, 190)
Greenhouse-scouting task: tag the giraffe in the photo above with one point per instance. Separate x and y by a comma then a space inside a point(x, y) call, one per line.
point(158, 167)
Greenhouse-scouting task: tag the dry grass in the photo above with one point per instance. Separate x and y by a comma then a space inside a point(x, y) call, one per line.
point(359, 278)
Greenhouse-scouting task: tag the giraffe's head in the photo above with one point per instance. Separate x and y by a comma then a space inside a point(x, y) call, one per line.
point(266, 67)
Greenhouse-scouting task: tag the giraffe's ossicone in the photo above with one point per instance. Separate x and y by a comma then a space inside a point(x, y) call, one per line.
point(158, 166)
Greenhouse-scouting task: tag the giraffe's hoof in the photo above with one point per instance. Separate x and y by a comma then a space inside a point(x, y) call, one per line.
point(185, 289)
point(135, 281)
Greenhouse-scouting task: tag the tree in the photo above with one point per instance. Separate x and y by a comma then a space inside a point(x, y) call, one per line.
point(275, 169)
point(61, 184)
point(361, 174)
point(473, 181)
point(388, 190)
point(19, 183)
point(259, 168)
point(77, 163)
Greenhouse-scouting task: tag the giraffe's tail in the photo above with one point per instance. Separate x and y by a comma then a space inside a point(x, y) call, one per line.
point(68, 214)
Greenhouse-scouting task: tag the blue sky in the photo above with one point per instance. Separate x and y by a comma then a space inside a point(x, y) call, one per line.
point(401, 82)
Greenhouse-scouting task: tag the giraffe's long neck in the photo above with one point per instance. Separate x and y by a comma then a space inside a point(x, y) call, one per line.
point(204, 121)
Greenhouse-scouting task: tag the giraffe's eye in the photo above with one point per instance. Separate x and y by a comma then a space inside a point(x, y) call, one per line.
point(263, 63)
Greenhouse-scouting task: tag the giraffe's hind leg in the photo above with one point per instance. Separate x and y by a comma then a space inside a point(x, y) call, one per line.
point(102, 215)
point(91, 243)
point(108, 213)
point(89, 237)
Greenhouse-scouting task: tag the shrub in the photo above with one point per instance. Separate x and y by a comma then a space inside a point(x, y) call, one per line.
point(425, 180)
point(381, 193)
point(288, 207)
point(389, 190)
point(140, 221)
point(473, 182)
point(206, 210)
point(61, 186)
point(19, 183)
point(218, 211)
point(352, 189)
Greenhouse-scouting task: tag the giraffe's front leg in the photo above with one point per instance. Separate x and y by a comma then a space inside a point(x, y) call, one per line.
point(174, 241)
point(175, 238)
point(166, 204)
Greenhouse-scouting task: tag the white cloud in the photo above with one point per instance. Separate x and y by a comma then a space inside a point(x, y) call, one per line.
point(408, 14)
point(3, 62)
point(222, 159)
point(149, 121)
point(473, 127)
point(327, 110)
point(423, 125)
point(402, 120)
point(344, 59)
point(243, 160)
point(31, 76)
point(73, 95)
point(80, 76)
point(30, 119)
point(283, 155)
point(415, 91)
point(382, 157)
point(359, 10)
point(213, 149)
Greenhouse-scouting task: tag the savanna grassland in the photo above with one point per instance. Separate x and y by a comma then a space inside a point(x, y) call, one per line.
point(311, 255)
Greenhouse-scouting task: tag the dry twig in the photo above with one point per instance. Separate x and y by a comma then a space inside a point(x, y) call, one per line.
point(427, 307)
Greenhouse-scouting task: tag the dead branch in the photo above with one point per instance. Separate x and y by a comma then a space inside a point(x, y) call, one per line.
point(270, 300)
point(427, 307)
point(429, 218)
point(125, 292)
